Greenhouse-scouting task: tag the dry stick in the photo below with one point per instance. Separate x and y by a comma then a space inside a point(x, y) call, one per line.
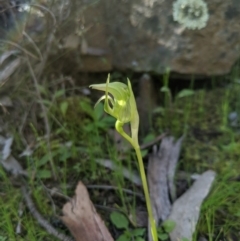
point(108, 187)
point(151, 143)
point(46, 10)
point(33, 44)
point(48, 49)
point(26, 52)
point(42, 221)
point(133, 177)
point(57, 194)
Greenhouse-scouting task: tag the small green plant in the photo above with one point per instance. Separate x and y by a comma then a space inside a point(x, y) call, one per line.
point(121, 222)
point(122, 106)
point(165, 229)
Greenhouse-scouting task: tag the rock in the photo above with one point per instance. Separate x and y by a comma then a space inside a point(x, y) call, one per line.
point(145, 35)
point(141, 35)
point(185, 210)
point(84, 37)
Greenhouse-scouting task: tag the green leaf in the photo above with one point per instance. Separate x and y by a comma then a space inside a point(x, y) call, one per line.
point(162, 236)
point(64, 107)
point(237, 213)
point(45, 102)
point(42, 89)
point(42, 161)
point(139, 239)
point(59, 93)
point(168, 226)
point(144, 153)
point(159, 110)
point(165, 89)
point(185, 93)
point(105, 122)
point(160, 229)
point(87, 108)
point(119, 220)
point(149, 137)
point(45, 159)
point(123, 237)
point(44, 174)
point(98, 111)
point(138, 232)
point(65, 154)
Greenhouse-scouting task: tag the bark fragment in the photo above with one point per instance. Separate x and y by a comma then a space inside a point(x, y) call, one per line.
point(81, 218)
point(161, 171)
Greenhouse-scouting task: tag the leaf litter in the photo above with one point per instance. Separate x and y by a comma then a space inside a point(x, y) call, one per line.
point(185, 210)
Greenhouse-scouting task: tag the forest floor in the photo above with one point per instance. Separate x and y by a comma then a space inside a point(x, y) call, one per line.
point(59, 142)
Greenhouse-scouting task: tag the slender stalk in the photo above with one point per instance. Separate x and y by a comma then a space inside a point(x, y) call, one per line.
point(146, 193)
point(119, 128)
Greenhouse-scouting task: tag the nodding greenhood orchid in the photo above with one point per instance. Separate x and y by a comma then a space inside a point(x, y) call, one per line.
point(121, 105)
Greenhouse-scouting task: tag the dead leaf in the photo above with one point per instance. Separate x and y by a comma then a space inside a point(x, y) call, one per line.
point(157, 179)
point(8, 162)
point(186, 209)
point(81, 218)
point(161, 171)
point(5, 144)
point(13, 166)
point(130, 175)
point(9, 69)
point(172, 164)
point(71, 42)
point(6, 101)
point(7, 54)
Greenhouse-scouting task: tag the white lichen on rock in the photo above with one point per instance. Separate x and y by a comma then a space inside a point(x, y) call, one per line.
point(192, 14)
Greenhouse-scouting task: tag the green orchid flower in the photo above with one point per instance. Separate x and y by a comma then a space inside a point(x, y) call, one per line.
point(121, 105)
point(119, 102)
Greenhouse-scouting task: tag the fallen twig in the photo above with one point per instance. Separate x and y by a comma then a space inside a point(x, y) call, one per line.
point(134, 178)
point(107, 187)
point(42, 221)
point(151, 143)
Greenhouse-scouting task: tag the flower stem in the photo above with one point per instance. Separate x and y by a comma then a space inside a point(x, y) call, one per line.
point(146, 192)
point(134, 143)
